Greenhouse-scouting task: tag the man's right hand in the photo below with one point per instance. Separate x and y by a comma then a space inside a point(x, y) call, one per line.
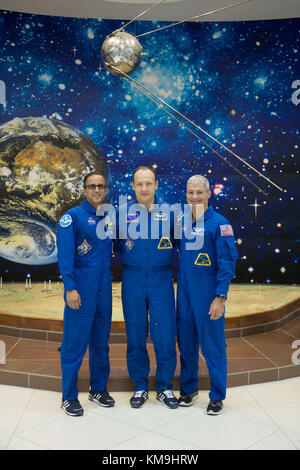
point(73, 299)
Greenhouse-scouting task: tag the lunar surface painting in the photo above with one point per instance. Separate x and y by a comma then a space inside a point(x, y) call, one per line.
point(62, 114)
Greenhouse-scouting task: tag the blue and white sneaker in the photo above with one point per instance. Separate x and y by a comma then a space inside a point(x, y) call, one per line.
point(214, 408)
point(187, 399)
point(168, 399)
point(139, 398)
point(102, 398)
point(72, 407)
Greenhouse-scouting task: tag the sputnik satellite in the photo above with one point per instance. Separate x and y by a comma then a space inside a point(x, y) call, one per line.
point(122, 53)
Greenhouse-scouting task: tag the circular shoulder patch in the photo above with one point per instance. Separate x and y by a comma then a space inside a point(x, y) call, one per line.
point(65, 221)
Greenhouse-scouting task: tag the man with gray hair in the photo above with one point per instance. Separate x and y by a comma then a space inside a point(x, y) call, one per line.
point(205, 273)
point(198, 179)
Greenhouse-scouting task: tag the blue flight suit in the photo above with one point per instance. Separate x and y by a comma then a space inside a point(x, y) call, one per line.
point(147, 286)
point(203, 274)
point(84, 262)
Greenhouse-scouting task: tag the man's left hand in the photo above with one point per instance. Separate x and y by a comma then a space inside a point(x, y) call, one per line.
point(216, 309)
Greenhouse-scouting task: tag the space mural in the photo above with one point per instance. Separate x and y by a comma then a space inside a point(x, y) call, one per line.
point(62, 115)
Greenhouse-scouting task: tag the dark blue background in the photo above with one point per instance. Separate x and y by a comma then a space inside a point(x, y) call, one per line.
point(233, 79)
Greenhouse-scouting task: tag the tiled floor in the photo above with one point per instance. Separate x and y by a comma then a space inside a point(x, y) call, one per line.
point(262, 411)
point(261, 416)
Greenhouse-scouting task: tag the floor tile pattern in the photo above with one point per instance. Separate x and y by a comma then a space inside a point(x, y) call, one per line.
point(255, 417)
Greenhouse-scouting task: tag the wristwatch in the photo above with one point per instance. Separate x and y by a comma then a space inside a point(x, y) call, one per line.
point(222, 297)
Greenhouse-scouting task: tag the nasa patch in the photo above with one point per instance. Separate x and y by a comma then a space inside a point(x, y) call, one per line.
point(203, 260)
point(109, 225)
point(160, 216)
point(129, 244)
point(165, 244)
point(84, 248)
point(179, 219)
point(65, 221)
point(198, 231)
point(133, 217)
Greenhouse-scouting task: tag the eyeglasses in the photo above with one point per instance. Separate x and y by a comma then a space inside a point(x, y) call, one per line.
point(95, 186)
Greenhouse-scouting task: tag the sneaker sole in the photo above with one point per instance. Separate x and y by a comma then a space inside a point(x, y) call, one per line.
point(72, 414)
point(167, 406)
point(185, 405)
point(138, 406)
point(188, 404)
point(214, 413)
point(101, 404)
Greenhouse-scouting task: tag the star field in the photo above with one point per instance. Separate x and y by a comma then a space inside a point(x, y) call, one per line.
point(232, 79)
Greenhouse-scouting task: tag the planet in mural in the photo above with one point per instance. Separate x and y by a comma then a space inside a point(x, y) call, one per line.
point(42, 166)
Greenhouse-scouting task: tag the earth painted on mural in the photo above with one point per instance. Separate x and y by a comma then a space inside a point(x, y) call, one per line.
point(42, 165)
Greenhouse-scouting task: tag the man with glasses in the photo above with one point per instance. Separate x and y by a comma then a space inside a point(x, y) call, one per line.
point(84, 263)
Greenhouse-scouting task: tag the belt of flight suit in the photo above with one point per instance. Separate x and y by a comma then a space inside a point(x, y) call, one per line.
point(147, 287)
point(204, 272)
point(84, 263)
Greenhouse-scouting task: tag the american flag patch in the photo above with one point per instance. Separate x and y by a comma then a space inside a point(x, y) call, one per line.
point(226, 230)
